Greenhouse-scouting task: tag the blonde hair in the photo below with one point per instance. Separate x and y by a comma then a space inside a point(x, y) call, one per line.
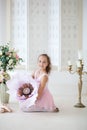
point(48, 68)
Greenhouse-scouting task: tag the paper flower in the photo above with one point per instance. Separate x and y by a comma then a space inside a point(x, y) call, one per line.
point(25, 91)
point(23, 88)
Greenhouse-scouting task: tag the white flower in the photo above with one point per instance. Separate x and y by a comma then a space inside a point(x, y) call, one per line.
point(1, 78)
point(11, 49)
point(0, 53)
point(4, 76)
point(10, 61)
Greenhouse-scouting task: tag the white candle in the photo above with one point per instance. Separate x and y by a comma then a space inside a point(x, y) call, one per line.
point(78, 64)
point(69, 62)
point(79, 55)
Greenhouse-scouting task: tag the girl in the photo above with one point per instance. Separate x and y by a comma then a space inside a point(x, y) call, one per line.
point(32, 91)
point(44, 100)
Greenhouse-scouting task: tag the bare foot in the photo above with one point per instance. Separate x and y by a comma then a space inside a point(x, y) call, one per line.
point(56, 110)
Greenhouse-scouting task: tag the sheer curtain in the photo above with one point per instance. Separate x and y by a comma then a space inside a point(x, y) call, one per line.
point(35, 29)
point(43, 26)
point(18, 27)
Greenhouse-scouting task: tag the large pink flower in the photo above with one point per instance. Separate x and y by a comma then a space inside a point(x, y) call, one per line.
point(24, 88)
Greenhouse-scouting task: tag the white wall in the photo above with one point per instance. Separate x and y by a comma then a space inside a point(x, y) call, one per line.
point(85, 32)
point(85, 42)
point(3, 21)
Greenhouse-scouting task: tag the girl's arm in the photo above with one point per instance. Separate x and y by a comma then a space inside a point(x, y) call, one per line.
point(42, 86)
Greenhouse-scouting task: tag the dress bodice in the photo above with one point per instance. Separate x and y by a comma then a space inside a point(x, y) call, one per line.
point(39, 78)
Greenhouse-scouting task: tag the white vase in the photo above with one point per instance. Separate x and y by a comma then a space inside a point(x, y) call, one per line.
point(4, 96)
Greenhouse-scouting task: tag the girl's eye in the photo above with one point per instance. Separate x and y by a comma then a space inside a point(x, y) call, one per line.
point(39, 61)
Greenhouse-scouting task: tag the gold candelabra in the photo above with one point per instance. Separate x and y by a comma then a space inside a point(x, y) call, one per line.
point(80, 72)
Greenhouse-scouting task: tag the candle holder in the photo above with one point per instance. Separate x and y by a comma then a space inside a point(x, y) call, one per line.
point(80, 72)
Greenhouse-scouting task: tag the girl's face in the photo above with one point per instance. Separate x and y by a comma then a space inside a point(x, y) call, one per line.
point(42, 62)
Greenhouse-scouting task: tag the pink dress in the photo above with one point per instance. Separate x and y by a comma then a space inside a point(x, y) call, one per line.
point(45, 103)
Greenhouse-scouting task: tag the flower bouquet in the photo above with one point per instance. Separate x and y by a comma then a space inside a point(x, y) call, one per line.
point(8, 58)
point(8, 61)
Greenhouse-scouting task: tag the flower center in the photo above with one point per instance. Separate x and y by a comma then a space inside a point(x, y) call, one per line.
point(26, 91)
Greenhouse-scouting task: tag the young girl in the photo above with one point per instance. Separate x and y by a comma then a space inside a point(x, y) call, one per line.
point(44, 100)
point(40, 98)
